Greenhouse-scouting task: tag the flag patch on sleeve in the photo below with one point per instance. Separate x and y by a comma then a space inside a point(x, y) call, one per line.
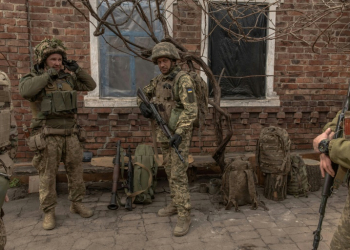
point(190, 95)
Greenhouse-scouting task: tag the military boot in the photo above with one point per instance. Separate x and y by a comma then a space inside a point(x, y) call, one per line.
point(78, 208)
point(182, 226)
point(49, 221)
point(168, 210)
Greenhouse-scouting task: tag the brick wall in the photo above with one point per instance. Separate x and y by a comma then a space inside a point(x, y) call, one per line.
point(311, 86)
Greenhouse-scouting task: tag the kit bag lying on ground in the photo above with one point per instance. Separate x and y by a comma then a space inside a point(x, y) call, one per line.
point(297, 183)
point(238, 184)
point(145, 172)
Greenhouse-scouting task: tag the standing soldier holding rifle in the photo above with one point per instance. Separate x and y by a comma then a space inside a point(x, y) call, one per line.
point(334, 152)
point(172, 92)
point(8, 146)
point(51, 87)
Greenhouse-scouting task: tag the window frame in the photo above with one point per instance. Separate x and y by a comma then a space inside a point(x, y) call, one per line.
point(93, 99)
point(272, 99)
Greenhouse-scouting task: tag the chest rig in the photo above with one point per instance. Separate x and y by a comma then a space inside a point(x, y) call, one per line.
point(5, 117)
point(166, 96)
point(58, 99)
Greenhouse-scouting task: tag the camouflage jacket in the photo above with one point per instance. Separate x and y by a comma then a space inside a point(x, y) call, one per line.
point(32, 88)
point(338, 148)
point(188, 108)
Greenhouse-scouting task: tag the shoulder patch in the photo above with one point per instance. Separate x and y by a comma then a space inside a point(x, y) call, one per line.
point(190, 95)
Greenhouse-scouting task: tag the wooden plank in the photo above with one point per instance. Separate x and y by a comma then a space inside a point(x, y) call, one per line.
point(107, 161)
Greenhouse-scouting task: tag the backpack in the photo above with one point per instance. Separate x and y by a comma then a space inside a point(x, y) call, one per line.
point(297, 183)
point(273, 151)
point(145, 171)
point(202, 95)
point(238, 184)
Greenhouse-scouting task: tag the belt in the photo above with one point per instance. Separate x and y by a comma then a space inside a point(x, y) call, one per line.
point(57, 131)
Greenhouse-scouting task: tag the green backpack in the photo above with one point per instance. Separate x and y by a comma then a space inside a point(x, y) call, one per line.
point(297, 183)
point(145, 172)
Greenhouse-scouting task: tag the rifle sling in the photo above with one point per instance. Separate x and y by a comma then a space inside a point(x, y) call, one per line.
point(149, 180)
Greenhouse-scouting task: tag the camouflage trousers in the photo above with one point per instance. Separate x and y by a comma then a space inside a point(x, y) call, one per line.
point(2, 235)
point(341, 237)
point(68, 150)
point(176, 172)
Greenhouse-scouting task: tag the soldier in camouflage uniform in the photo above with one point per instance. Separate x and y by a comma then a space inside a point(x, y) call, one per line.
point(337, 151)
point(172, 92)
point(8, 145)
point(55, 135)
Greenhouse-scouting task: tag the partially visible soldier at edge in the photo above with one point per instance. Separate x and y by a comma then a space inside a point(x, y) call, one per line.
point(177, 104)
point(337, 151)
point(55, 135)
point(8, 146)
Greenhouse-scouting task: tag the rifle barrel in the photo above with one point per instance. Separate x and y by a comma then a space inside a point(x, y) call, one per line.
point(161, 123)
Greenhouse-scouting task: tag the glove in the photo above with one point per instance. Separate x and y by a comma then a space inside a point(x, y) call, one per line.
point(52, 73)
point(145, 111)
point(71, 65)
point(175, 140)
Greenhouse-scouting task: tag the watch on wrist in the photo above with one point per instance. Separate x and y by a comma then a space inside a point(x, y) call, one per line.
point(323, 146)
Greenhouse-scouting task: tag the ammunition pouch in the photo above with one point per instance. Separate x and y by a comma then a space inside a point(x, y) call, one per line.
point(64, 102)
point(36, 142)
point(6, 163)
point(81, 134)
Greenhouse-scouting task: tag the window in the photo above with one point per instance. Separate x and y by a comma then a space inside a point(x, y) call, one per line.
point(119, 74)
point(238, 57)
point(219, 51)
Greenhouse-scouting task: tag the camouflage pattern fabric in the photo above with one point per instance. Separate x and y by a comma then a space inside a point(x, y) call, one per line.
point(164, 49)
point(187, 114)
point(48, 47)
point(2, 235)
point(182, 118)
point(176, 172)
point(238, 184)
point(7, 134)
point(339, 153)
point(32, 88)
point(341, 237)
point(69, 149)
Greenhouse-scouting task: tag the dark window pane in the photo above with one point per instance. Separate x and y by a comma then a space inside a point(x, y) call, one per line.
point(239, 58)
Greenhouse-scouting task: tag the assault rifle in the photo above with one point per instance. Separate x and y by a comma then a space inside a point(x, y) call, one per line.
point(161, 123)
point(329, 185)
point(114, 199)
point(130, 182)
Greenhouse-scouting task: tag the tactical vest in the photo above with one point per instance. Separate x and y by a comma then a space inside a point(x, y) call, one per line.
point(167, 100)
point(6, 162)
point(57, 105)
point(5, 117)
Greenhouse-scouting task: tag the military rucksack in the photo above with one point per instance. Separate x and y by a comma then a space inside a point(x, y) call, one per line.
point(238, 184)
point(145, 171)
point(273, 151)
point(202, 95)
point(297, 183)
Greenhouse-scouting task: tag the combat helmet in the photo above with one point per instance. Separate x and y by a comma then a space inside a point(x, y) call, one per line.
point(48, 47)
point(164, 49)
